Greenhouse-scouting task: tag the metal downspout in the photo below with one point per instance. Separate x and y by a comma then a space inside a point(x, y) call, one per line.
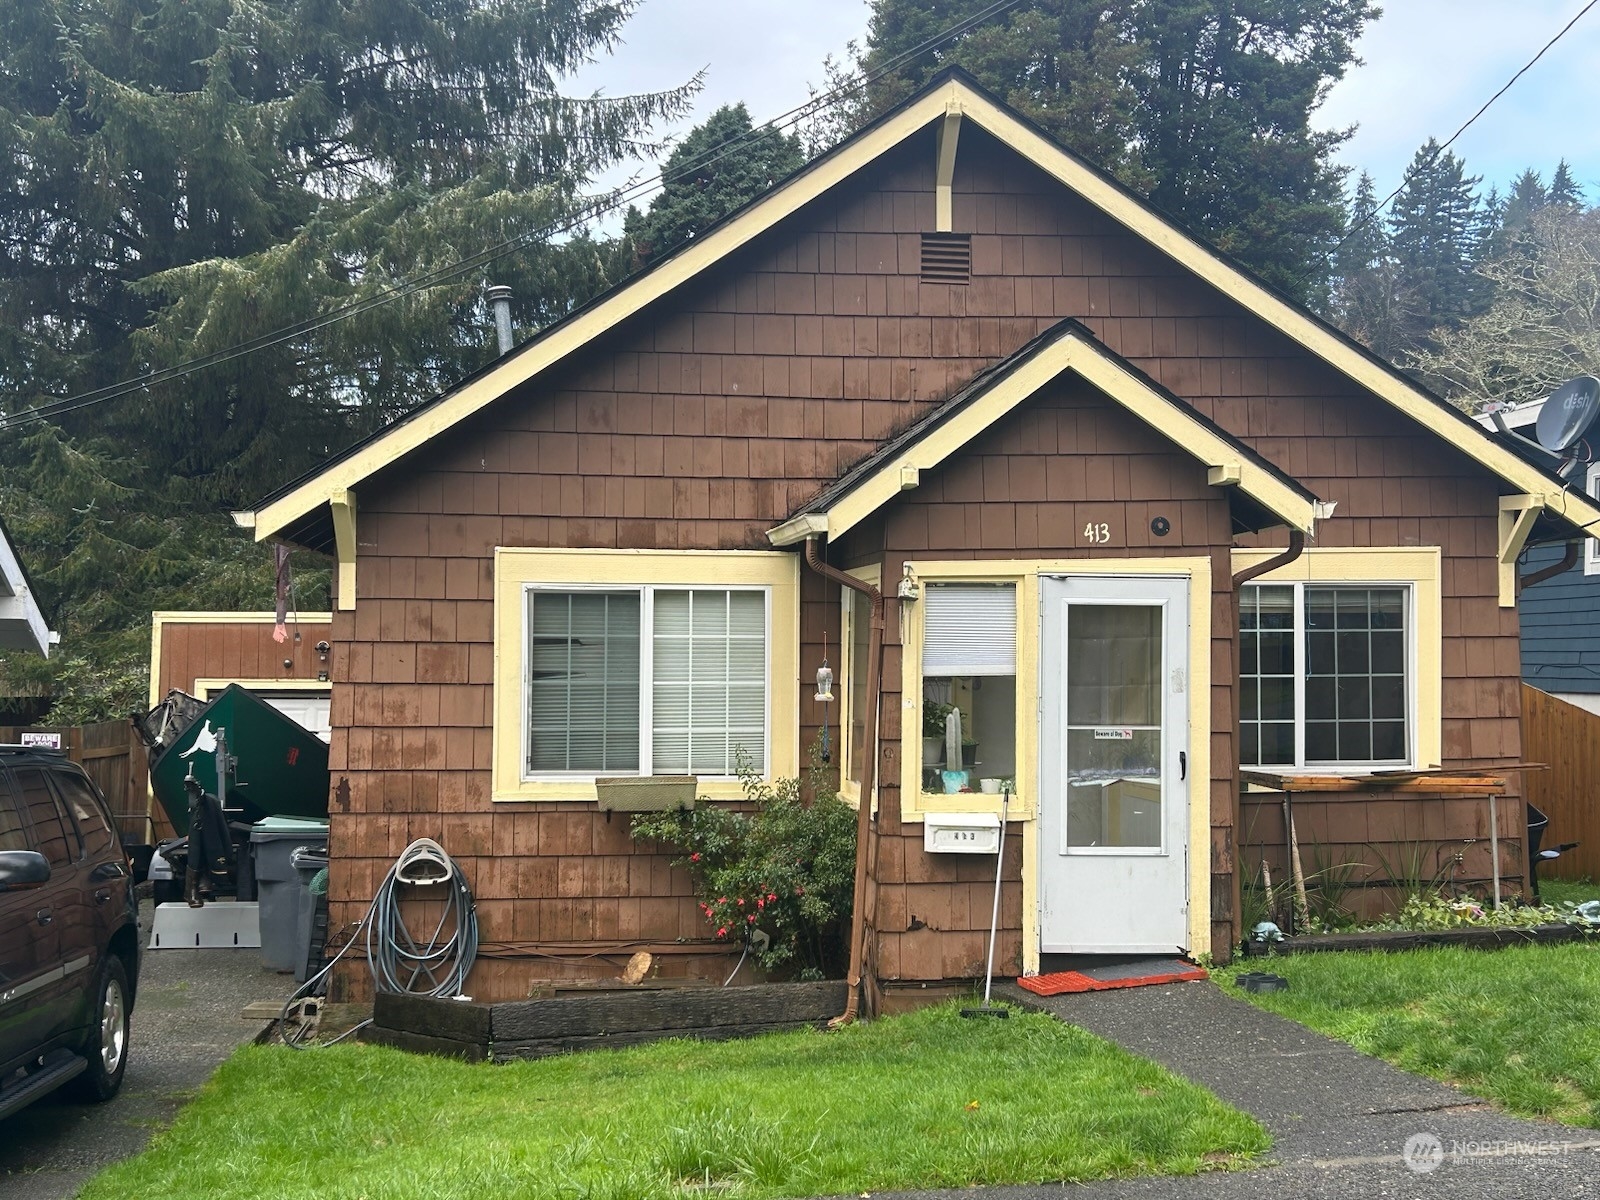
point(1568, 561)
point(869, 769)
point(1297, 545)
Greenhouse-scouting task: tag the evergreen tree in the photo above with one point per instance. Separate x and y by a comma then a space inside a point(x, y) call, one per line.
point(1564, 189)
point(1201, 106)
point(1527, 196)
point(184, 175)
point(1433, 233)
point(720, 166)
point(1363, 296)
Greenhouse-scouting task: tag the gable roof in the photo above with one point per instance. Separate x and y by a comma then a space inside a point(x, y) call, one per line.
point(1067, 346)
point(23, 625)
point(294, 511)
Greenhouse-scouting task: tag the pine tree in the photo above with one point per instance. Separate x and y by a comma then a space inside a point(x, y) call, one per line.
point(1433, 231)
point(1363, 295)
point(184, 175)
point(1203, 107)
point(719, 166)
point(1564, 189)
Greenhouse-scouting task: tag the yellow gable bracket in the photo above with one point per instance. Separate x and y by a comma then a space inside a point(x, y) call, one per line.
point(1228, 465)
point(945, 98)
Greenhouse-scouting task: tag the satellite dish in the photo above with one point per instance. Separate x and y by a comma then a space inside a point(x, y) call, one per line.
point(1568, 412)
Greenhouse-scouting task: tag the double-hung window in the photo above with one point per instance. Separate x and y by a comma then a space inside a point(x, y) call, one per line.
point(646, 680)
point(1325, 675)
point(635, 662)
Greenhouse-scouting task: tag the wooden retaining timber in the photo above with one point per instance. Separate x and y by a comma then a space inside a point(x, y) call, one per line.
point(1413, 939)
point(538, 1028)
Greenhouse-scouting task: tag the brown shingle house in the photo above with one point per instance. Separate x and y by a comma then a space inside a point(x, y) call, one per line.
point(1062, 436)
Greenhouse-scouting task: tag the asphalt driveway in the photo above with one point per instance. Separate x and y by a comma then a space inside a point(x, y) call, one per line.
point(186, 1021)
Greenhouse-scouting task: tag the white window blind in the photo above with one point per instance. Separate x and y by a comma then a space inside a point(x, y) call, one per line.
point(583, 682)
point(665, 681)
point(970, 629)
point(710, 685)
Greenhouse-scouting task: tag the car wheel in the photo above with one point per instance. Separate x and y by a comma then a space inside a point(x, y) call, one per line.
point(106, 1045)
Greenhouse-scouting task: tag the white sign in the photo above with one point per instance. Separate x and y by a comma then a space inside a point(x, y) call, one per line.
point(49, 741)
point(1113, 735)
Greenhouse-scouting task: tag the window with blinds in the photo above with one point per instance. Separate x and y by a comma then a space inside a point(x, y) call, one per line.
point(969, 665)
point(970, 629)
point(646, 680)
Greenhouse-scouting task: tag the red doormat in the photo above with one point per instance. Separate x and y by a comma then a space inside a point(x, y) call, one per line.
point(1143, 973)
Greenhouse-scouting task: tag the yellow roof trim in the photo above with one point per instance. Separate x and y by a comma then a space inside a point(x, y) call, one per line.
point(1172, 420)
point(952, 96)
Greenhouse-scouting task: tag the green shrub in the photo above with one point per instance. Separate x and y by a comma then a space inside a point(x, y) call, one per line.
point(778, 876)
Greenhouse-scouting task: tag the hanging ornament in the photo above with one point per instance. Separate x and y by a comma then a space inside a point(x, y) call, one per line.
point(825, 696)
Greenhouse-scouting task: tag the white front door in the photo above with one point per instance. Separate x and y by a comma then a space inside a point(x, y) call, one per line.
point(1113, 771)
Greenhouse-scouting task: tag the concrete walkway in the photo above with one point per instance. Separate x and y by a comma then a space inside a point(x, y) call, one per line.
point(1340, 1121)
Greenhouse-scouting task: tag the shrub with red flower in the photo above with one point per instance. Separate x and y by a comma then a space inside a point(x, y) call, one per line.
point(786, 865)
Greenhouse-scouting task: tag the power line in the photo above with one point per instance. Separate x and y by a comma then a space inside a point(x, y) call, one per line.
point(398, 291)
point(1467, 124)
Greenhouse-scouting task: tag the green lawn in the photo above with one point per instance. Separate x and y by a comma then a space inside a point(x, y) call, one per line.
point(919, 1101)
point(1561, 891)
point(1517, 1026)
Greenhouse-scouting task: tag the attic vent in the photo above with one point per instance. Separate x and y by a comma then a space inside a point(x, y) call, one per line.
point(946, 258)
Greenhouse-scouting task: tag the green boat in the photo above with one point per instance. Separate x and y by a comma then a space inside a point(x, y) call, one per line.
point(280, 768)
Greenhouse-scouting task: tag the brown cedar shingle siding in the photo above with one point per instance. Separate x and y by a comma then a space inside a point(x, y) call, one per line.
point(1027, 486)
point(703, 424)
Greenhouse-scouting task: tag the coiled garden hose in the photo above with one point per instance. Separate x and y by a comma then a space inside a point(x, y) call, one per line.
point(397, 961)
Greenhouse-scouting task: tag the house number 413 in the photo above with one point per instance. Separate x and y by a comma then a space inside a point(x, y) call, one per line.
point(1097, 531)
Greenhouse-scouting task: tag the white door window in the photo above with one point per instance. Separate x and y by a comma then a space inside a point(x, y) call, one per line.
point(1114, 749)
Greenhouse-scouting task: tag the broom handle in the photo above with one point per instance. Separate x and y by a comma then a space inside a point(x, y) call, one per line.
point(994, 917)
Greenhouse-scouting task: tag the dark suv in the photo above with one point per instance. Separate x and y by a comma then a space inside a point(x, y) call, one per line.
point(69, 933)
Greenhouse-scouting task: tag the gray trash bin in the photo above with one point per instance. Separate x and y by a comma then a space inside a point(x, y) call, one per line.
point(280, 890)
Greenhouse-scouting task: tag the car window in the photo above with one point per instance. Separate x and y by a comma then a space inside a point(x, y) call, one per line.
point(85, 808)
point(53, 834)
point(12, 835)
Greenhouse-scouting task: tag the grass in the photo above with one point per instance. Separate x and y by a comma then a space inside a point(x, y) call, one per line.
point(1566, 891)
point(1516, 1026)
point(919, 1101)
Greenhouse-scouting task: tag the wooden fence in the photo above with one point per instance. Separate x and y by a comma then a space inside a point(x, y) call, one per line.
point(111, 754)
point(1568, 739)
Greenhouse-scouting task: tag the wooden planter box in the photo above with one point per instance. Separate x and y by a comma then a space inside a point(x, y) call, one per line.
point(605, 1020)
point(1412, 939)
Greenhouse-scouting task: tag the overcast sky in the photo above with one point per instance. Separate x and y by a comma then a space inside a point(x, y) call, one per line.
point(1429, 64)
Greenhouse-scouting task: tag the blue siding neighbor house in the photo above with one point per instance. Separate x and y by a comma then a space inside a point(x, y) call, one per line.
point(1560, 615)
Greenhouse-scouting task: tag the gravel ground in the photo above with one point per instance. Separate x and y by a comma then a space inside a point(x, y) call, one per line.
point(185, 1021)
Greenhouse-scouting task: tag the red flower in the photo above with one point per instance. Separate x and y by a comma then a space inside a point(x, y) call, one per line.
point(695, 857)
point(751, 918)
point(760, 903)
point(799, 891)
point(772, 895)
point(741, 901)
point(722, 900)
point(723, 932)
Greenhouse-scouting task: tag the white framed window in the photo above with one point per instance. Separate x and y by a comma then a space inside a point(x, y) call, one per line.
point(1327, 675)
point(645, 680)
point(637, 662)
point(1591, 559)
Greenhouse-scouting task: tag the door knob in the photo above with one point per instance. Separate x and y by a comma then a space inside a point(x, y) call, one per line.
point(43, 916)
